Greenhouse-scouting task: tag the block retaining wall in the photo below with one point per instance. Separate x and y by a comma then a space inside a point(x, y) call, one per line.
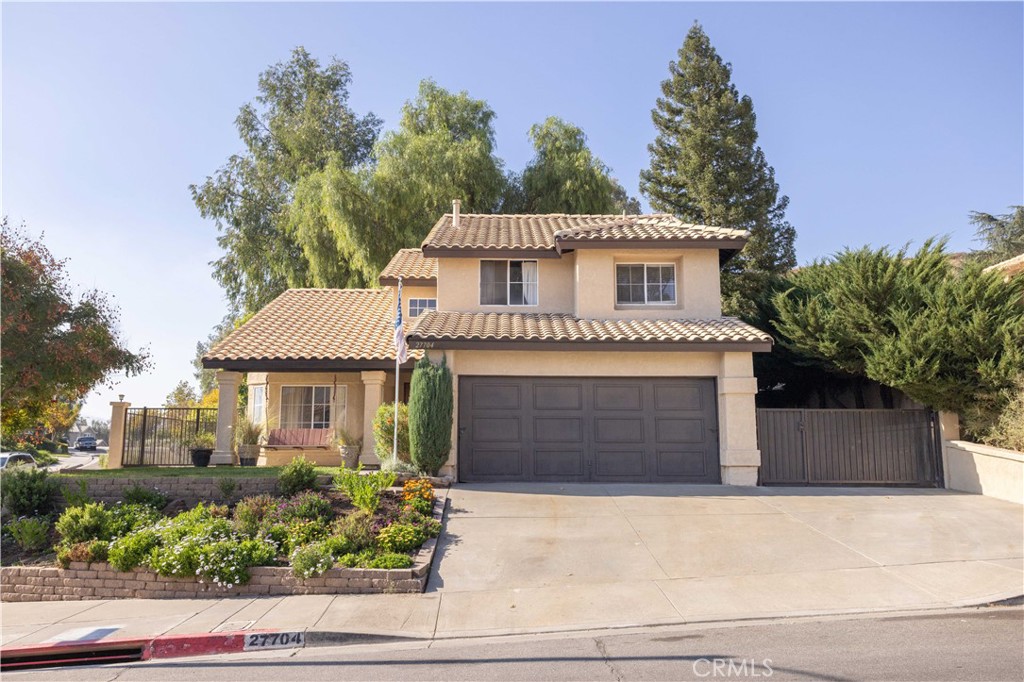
point(100, 581)
point(191, 489)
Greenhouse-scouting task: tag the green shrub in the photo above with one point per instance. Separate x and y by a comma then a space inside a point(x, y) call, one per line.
point(227, 487)
point(296, 476)
point(368, 559)
point(138, 494)
point(28, 492)
point(384, 431)
point(278, 535)
point(357, 528)
point(421, 506)
point(311, 560)
point(130, 551)
point(364, 490)
point(84, 524)
point(390, 560)
point(430, 526)
point(32, 533)
point(252, 512)
point(76, 498)
point(430, 415)
point(226, 562)
point(400, 537)
point(339, 545)
point(1008, 430)
point(309, 504)
point(125, 518)
point(304, 531)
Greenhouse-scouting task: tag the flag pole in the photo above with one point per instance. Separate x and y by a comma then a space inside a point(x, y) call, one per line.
point(398, 360)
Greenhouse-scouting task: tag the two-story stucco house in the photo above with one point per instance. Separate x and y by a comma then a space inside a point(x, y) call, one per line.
point(583, 348)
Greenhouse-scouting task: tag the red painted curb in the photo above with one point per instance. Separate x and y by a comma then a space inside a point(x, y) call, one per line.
point(164, 646)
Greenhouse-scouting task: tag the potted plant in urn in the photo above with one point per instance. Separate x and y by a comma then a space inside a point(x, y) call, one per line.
point(350, 447)
point(201, 446)
point(248, 435)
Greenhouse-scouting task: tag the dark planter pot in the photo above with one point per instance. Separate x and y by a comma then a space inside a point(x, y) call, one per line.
point(201, 458)
point(248, 461)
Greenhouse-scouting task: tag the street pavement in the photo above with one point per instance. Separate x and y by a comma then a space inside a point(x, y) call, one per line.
point(965, 644)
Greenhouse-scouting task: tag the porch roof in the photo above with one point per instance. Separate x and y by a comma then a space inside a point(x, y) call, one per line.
point(562, 331)
point(314, 329)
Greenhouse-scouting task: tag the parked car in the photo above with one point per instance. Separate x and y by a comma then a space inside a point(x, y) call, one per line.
point(16, 459)
point(85, 443)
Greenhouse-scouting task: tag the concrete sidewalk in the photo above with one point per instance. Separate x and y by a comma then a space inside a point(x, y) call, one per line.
point(544, 558)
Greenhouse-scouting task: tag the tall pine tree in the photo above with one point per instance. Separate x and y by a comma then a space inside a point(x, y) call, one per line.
point(706, 168)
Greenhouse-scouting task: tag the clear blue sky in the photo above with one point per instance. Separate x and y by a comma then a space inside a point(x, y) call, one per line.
point(886, 123)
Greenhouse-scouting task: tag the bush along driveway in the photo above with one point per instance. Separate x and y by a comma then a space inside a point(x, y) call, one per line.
point(359, 536)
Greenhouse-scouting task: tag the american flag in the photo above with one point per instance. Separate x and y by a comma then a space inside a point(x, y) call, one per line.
point(400, 347)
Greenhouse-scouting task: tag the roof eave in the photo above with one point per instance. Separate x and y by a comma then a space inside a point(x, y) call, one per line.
point(301, 364)
point(412, 281)
point(487, 252)
point(504, 344)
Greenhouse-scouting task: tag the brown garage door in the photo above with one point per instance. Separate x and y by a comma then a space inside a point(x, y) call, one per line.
point(593, 429)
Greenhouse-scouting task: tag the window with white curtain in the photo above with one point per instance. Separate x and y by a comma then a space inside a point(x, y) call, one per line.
point(257, 403)
point(311, 407)
point(508, 282)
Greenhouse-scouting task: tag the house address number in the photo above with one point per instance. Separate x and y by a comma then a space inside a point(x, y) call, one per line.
point(274, 640)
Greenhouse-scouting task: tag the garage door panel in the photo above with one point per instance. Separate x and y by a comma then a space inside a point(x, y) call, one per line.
point(497, 430)
point(669, 430)
point(616, 463)
point(678, 397)
point(588, 429)
point(500, 396)
point(682, 464)
point(495, 462)
point(561, 464)
point(618, 430)
point(558, 397)
point(558, 429)
point(618, 396)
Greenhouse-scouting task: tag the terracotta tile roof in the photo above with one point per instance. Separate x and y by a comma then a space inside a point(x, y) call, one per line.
point(410, 265)
point(543, 232)
point(316, 324)
point(554, 327)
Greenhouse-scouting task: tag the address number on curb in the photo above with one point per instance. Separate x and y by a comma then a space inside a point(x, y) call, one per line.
point(273, 640)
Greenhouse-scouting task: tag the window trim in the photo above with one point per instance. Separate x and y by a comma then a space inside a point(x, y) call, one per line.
point(655, 264)
point(508, 283)
point(334, 421)
point(423, 310)
point(258, 418)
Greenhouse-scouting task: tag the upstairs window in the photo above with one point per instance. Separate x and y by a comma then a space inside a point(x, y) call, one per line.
point(645, 283)
point(418, 306)
point(508, 282)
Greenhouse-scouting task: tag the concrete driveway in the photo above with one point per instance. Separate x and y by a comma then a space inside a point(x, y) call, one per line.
point(529, 557)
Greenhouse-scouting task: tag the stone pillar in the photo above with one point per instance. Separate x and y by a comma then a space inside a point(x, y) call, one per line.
point(373, 397)
point(737, 420)
point(227, 416)
point(115, 441)
point(949, 429)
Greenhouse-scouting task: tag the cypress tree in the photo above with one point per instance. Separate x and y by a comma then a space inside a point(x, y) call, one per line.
point(430, 415)
point(706, 167)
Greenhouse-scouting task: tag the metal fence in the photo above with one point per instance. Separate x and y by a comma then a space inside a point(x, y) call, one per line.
point(160, 436)
point(849, 447)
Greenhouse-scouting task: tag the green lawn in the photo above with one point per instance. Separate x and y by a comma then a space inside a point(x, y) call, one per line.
point(218, 472)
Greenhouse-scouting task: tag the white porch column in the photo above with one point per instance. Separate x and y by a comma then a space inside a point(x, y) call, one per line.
point(227, 415)
point(949, 430)
point(373, 397)
point(737, 419)
point(115, 441)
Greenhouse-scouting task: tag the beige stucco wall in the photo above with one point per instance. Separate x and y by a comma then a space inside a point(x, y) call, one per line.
point(974, 468)
point(412, 291)
point(698, 291)
point(733, 372)
point(458, 286)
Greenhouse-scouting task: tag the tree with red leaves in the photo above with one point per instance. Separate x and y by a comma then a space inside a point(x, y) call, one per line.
point(52, 346)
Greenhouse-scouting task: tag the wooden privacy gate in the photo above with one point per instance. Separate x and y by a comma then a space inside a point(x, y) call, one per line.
point(160, 436)
point(849, 447)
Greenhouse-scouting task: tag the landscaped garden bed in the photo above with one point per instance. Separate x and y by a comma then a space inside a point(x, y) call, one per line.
point(359, 535)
